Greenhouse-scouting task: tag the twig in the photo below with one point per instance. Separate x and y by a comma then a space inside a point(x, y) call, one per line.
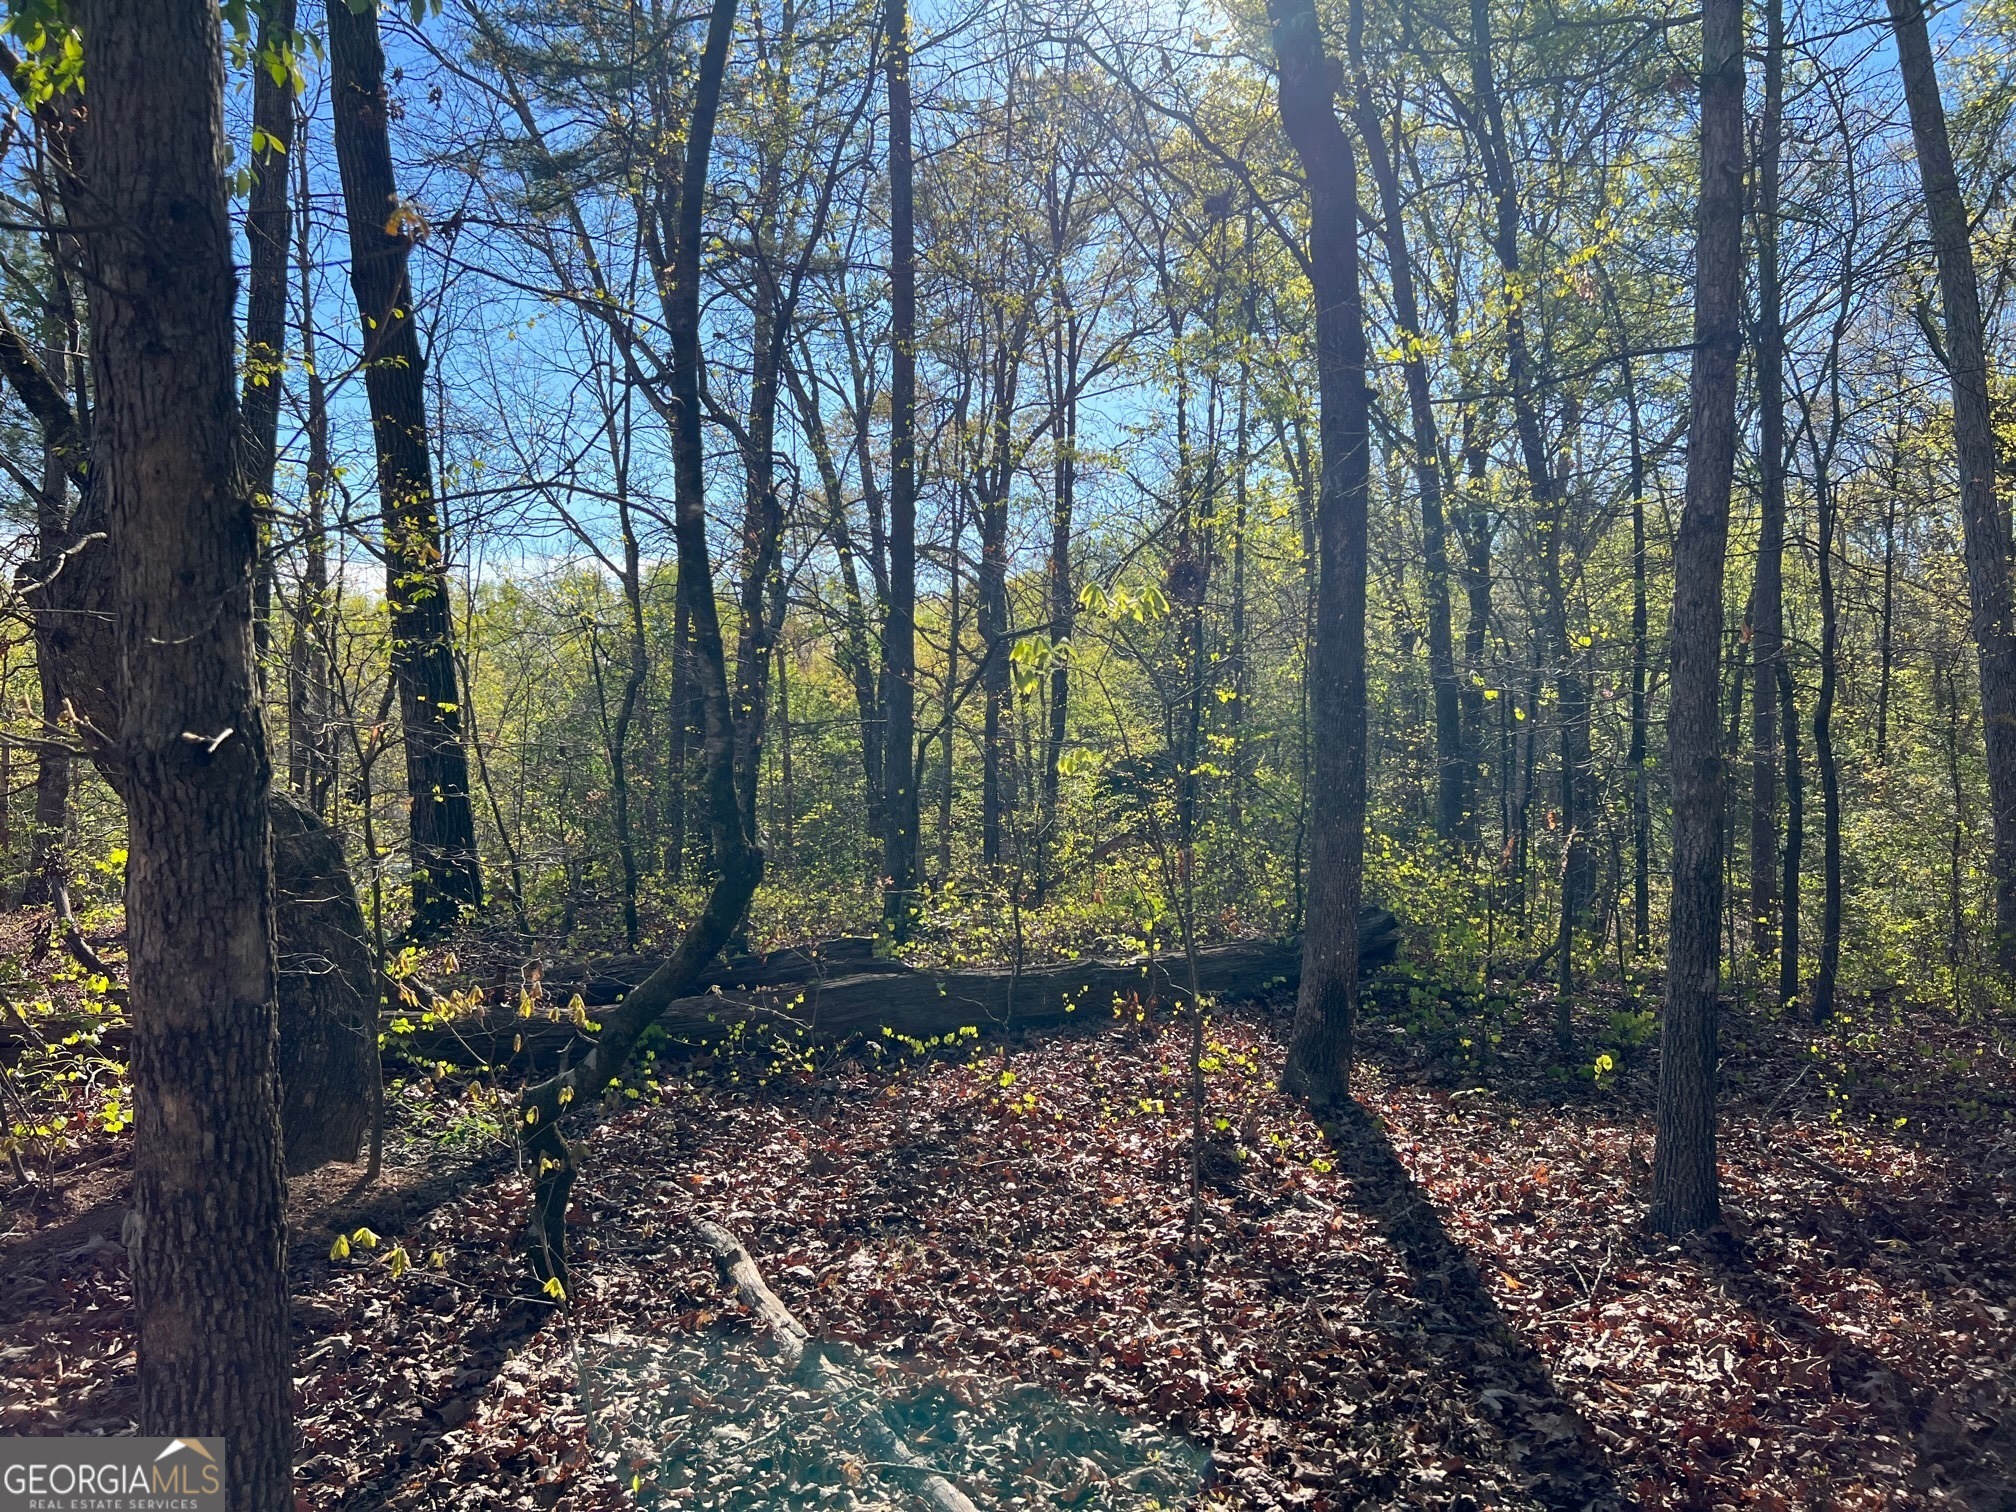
point(1784, 1092)
point(803, 1359)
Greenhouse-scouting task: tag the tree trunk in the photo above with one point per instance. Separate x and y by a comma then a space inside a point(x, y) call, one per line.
point(207, 1233)
point(1454, 775)
point(446, 877)
point(679, 725)
point(267, 234)
point(899, 635)
point(1767, 608)
point(1985, 527)
point(1319, 1052)
point(1641, 794)
point(311, 734)
point(852, 650)
point(738, 864)
point(1063, 606)
point(1795, 838)
point(1684, 1192)
point(1823, 759)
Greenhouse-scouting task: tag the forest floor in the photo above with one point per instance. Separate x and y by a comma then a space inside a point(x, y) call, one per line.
point(1452, 1302)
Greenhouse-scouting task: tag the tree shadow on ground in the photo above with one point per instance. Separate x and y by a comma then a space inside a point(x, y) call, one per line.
point(1965, 1448)
point(1556, 1454)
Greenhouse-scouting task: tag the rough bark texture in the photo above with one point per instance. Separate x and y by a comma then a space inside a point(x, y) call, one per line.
point(322, 1013)
point(1684, 1194)
point(834, 996)
point(1985, 527)
point(207, 1233)
point(1319, 1052)
point(382, 234)
point(899, 632)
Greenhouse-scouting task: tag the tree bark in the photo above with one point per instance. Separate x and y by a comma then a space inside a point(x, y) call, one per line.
point(1684, 1191)
point(445, 877)
point(207, 1234)
point(1985, 526)
point(899, 632)
point(1319, 1052)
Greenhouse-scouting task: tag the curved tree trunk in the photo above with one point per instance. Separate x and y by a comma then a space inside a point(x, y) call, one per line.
point(738, 863)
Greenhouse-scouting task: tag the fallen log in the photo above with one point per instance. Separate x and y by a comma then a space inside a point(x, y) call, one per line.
point(803, 1359)
point(602, 982)
point(908, 1004)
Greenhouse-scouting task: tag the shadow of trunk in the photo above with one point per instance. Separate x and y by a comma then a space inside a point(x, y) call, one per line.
point(1967, 1448)
point(1558, 1460)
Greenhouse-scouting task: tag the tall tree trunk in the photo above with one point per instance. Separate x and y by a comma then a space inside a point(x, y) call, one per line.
point(899, 636)
point(1454, 775)
point(996, 783)
point(679, 726)
point(446, 877)
point(1475, 528)
point(1767, 608)
point(1823, 758)
point(1684, 1192)
point(1239, 675)
point(1063, 606)
point(1886, 654)
point(1985, 527)
point(1795, 837)
point(207, 1234)
point(636, 671)
point(267, 235)
point(311, 733)
point(1326, 1004)
point(951, 716)
point(1641, 795)
point(854, 650)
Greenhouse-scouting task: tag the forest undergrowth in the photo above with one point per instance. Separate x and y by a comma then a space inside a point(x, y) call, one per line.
point(1450, 1301)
